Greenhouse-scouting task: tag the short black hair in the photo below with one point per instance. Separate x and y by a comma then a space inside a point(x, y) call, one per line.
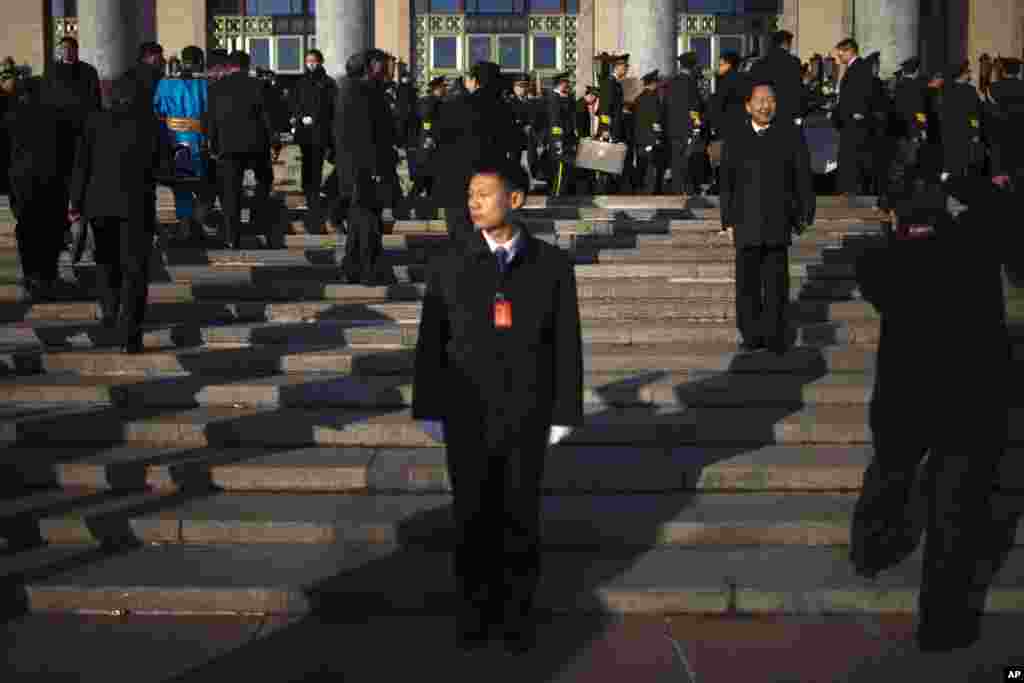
point(758, 84)
point(848, 44)
point(512, 175)
point(730, 58)
point(68, 40)
point(315, 53)
point(355, 66)
point(149, 48)
point(240, 59)
point(780, 38)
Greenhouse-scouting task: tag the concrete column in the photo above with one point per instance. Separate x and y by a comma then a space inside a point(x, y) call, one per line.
point(342, 29)
point(889, 27)
point(648, 31)
point(108, 37)
point(27, 38)
point(180, 23)
point(994, 27)
point(585, 51)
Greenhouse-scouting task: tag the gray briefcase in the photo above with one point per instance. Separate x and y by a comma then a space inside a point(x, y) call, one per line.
point(607, 157)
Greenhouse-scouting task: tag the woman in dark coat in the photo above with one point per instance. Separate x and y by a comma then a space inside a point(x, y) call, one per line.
point(475, 129)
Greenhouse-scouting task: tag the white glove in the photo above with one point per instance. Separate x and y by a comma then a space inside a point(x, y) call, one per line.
point(433, 428)
point(798, 121)
point(858, 117)
point(307, 120)
point(944, 177)
point(558, 432)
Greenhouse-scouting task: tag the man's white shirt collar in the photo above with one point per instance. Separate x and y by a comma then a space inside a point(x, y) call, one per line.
point(512, 246)
point(757, 128)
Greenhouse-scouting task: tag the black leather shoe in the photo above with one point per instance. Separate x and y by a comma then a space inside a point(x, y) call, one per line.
point(750, 346)
point(133, 345)
point(947, 634)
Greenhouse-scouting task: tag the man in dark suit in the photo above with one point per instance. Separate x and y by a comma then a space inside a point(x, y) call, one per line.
point(961, 121)
point(767, 195)
point(147, 72)
point(113, 186)
point(854, 117)
point(612, 126)
point(1007, 141)
point(36, 179)
point(649, 137)
point(683, 109)
point(240, 132)
point(365, 160)
point(312, 114)
point(782, 69)
point(727, 107)
point(476, 128)
point(498, 377)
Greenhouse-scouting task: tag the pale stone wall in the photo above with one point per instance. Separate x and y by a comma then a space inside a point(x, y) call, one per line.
point(23, 34)
point(608, 35)
point(586, 28)
point(995, 27)
point(180, 23)
point(391, 27)
point(819, 25)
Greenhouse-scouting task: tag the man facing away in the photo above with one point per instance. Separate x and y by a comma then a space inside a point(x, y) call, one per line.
point(498, 377)
point(767, 195)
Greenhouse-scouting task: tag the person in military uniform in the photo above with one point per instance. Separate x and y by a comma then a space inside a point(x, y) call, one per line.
point(908, 122)
point(181, 105)
point(8, 97)
point(961, 121)
point(782, 69)
point(562, 137)
point(649, 137)
point(1008, 123)
point(524, 112)
point(588, 122)
point(611, 116)
point(429, 110)
point(312, 111)
point(683, 114)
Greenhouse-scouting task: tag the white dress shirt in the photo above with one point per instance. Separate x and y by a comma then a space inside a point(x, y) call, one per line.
point(434, 428)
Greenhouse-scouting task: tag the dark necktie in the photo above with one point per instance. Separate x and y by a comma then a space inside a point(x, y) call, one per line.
point(762, 132)
point(502, 255)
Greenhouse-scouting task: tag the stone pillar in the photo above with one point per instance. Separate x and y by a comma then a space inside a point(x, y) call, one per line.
point(180, 23)
point(889, 27)
point(585, 46)
point(108, 37)
point(342, 29)
point(28, 37)
point(649, 37)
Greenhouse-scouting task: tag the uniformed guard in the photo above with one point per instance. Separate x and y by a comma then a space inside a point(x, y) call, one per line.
point(429, 114)
point(562, 138)
point(611, 115)
point(684, 118)
point(649, 137)
point(181, 104)
point(523, 110)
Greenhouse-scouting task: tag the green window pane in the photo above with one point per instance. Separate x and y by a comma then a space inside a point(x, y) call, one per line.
point(446, 52)
point(510, 52)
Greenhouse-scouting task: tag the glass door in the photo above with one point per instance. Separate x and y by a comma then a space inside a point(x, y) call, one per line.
point(709, 48)
point(508, 51)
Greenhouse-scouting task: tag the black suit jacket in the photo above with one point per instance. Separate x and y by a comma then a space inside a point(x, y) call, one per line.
point(910, 99)
point(857, 95)
point(961, 122)
point(239, 116)
point(469, 373)
point(782, 69)
point(562, 114)
point(648, 110)
point(119, 155)
point(364, 132)
point(611, 104)
point(74, 89)
point(683, 97)
point(475, 128)
point(313, 96)
point(766, 184)
point(1007, 123)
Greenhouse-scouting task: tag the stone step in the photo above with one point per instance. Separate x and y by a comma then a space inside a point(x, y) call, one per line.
point(576, 521)
point(337, 469)
point(323, 390)
point(645, 359)
point(375, 579)
point(366, 328)
point(297, 427)
point(159, 312)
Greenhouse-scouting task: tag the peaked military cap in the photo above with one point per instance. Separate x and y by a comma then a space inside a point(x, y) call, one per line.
point(192, 56)
point(485, 72)
point(687, 60)
point(564, 76)
point(437, 82)
point(620, 59)
point(651, 77)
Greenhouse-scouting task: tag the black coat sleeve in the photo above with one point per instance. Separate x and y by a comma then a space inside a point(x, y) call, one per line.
point(803, 182)
point(567, 407)
point(727, 180)
point(429, 386)
point(82, 169)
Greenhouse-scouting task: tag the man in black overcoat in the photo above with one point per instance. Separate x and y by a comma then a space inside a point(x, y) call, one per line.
point(683, 109)
point(147, 73)
point(364, 133)
point(498, 377)
point(916, 410)
point(727, 107)
point(854, 117)
point(240, 133)
point(1007, 138)
point(476, 128)
point(562, 137)
point(961, 121)
point(429, 118)
point(114, 186)
point(649, 137)
point(767, 195)
point(312, 116)
point(37, 178)
point(782, 69)
point(611, 111)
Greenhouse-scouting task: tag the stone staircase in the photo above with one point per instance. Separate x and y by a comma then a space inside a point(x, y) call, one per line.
point(260, 457)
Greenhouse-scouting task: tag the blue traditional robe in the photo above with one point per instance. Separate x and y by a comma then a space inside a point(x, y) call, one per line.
point(181, 103)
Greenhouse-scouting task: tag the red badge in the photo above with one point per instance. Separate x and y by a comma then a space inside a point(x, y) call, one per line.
point(502, 314)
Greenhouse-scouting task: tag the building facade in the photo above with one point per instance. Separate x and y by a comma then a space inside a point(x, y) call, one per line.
point(543, 37)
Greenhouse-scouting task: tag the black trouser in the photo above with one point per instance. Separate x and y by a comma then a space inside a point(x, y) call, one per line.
point(856, 156)
point(496, 487)
point(312, 180)
point(232, 176)
point(682, 177)
point(561, 177)
point(959, 478)
point(69, 131)
point(649, 172)
point(364, 244)
point(762, 293)
point(41, 222)
point(123, 250)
